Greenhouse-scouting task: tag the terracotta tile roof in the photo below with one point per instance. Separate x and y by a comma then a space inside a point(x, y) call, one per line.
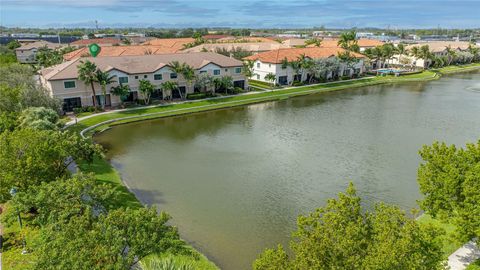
point(250, 47)
point(291, 54)
point(244, 39)
point(215, 36)
point(138, 64)
point(440, 46)
point(120, 50)
point(99, 41)
point(174, 43)
point(363, 42)
point(39, 44)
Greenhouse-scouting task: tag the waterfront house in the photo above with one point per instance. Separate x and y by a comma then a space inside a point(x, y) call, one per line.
point(62, 80)
point(273, 62)
point(437, 48)
point(27, 53)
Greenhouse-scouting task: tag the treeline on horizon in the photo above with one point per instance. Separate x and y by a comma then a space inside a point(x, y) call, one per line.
point(188, 32)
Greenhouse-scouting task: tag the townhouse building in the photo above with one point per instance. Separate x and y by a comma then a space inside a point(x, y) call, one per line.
point(62, 80)
point(273, 62)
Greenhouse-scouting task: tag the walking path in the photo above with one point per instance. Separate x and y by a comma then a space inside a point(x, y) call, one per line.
point(460, 259)
point(74, 121)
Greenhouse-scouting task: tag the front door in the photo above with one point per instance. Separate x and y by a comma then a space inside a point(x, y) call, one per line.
point(282, 80)
point(240, 84)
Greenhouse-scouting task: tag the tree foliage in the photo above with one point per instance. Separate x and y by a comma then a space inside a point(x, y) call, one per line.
point(342, 235)
point(29, 157)
point(117, 240)
point(38, 118)
point(146, 88)
point(449, 179)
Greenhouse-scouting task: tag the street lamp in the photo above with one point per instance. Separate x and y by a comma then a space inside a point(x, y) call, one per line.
point(13, 192)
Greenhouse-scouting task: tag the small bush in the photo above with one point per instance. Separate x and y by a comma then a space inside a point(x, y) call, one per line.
point(343, 78)
point(237, 90)
point(297, 83)
point(194, 96)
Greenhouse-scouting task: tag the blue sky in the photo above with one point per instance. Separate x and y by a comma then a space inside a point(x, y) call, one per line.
point(242, 13)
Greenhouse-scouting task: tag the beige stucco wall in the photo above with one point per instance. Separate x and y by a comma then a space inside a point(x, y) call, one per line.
point(57, 89)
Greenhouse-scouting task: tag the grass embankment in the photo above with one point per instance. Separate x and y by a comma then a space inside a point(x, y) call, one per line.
point(462, 68)
point(474, 266)
point(105, 120)
point(450, 244)
point(105, 174)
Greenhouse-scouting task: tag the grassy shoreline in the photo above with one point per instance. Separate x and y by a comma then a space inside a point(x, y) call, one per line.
point(106, 173)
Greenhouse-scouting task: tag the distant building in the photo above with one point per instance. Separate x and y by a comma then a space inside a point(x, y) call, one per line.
point(27, 53)
point(99, 41)
point(255, 47)
point(127, 50)
point(62, 80)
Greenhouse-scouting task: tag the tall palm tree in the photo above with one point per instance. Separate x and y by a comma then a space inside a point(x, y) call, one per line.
point(170, 86)
point(425, 54)
point(314, 41)
point(188, 73)
point(177, 67)
point(475, 51)
point(401, 50)
point(86, 74)
point(348, 41)
point(247, 69)
point(104, 79)
point(451, 54)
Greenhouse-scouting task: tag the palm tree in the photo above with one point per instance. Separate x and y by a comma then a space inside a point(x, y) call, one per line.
point(272, 78)
point(285, 63)
point(146, 88)
point(86, 74)
point(104, 79)
point(188, 73)
point(170, 86)
point(451, 54)
point(348, 41)
point(177, 68)
point(425, 54)
point(475, 51)
point(314, 41)
point(401, 50)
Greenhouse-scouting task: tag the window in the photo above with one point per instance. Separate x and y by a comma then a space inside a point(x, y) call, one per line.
point(173, 75)
point(269, 65)
point(145, 76)
point(238, 70)
point(69, 84)
point(203, 71)
point(258, 65)
point(226, 70)
point(216, 72)
point(123, 79)
point(136, 77)
point(157, 77)
point(258, 77)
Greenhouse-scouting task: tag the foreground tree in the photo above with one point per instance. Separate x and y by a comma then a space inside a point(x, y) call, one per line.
point(117, 240)
point(29, 157)
point(121, 91)
point(58, 201)
point(271, 78)
point(449, 179)
point(348, 41)
point(87, 74)
point(342, 235)
point(39, 118)
point(170, 86)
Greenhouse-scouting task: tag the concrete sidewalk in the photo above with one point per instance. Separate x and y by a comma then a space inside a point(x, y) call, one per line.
point(460, 259)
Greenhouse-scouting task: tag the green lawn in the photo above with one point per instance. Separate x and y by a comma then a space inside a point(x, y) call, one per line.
point(453, 68)
point(225, 102)
point(450, 244)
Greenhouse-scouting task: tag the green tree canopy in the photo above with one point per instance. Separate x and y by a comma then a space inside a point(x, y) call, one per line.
point(342, 235)
point(117, 240)
point(449, 179)
point(39, 118)
point(146, 88)
point(29, 157)
point(59, 201)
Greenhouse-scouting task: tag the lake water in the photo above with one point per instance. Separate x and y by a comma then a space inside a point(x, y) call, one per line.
point(235, 180)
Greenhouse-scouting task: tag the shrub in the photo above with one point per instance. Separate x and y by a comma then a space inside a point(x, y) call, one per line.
point(297, 83)
point(237, 90)
point(194, 96)
point(345, 78)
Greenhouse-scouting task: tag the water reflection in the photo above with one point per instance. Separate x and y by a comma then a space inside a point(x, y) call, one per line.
point(235, 180)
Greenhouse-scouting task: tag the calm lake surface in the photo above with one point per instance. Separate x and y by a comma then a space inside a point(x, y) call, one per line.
point(235, 180)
